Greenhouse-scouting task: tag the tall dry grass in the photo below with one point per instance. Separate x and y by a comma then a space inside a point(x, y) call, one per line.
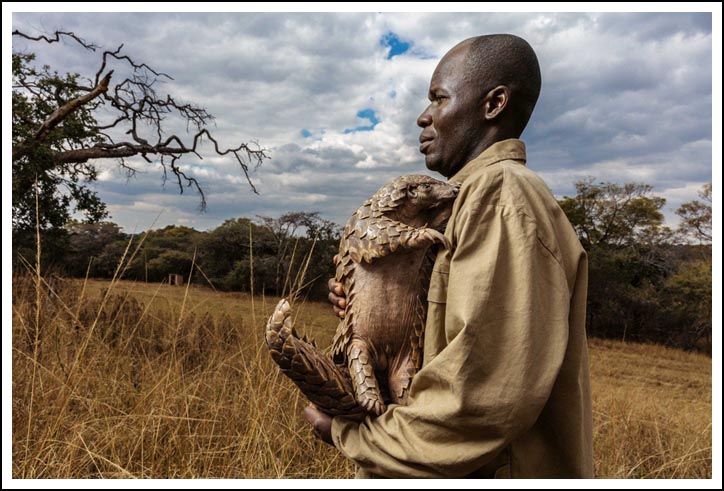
point(152, 381)
point(124, 379)
point(652, 411)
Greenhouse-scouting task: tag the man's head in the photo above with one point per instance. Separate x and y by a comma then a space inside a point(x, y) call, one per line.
point(482, 91)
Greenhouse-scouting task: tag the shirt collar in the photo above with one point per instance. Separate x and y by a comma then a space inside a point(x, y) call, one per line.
point(511, 149)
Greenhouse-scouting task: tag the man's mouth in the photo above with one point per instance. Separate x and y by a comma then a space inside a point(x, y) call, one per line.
point(424, 145)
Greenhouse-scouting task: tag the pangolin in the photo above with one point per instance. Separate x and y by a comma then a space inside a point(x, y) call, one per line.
point(384, 263)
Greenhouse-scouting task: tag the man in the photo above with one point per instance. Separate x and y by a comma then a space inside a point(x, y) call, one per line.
point(504, 387)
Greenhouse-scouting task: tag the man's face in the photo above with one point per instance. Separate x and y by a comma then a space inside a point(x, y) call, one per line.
point(452, 124)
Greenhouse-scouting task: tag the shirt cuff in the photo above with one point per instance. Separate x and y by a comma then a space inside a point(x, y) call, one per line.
point(341, 428)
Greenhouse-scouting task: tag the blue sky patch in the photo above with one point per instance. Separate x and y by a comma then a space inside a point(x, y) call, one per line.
point(365, 114)
point(306, 133)
point(396, 45)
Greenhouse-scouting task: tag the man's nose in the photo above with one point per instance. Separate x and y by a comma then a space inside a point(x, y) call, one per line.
point(424, 120)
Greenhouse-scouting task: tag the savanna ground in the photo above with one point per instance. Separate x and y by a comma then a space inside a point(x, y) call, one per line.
point(131, 379)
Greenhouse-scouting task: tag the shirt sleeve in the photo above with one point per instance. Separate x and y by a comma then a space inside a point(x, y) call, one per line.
point(506, 324)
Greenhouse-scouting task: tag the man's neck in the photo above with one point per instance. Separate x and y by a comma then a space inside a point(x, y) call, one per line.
point(493, 136)
point(490, 138)
point(509, 149)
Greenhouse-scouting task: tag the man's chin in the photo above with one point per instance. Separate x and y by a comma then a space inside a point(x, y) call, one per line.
point(434, 164)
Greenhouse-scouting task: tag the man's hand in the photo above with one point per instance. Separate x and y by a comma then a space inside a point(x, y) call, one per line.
point(336, 294)
point(321, 423)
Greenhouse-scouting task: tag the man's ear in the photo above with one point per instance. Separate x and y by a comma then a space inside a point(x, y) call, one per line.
point(495, 102)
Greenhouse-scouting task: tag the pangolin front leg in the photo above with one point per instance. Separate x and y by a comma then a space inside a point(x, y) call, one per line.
point(389, 236)
point(425, 237)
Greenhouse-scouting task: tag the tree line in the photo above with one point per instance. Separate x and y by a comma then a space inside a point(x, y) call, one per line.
point(647, 282)
point(263, 255)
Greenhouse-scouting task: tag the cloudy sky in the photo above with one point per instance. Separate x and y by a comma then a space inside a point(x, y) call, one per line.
point(335, 97)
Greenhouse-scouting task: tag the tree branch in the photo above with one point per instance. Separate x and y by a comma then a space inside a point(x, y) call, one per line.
point(135, 66)
point(85, 154)
point(122, 150)
point(79, 138)
point(56, 39)
point(59, 115)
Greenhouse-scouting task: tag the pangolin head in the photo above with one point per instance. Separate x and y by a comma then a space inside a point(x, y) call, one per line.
point(415, 194)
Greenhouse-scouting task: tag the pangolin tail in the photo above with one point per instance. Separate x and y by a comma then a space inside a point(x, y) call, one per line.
point(324, 383)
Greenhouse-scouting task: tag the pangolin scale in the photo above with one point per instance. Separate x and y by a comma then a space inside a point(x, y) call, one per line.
point(384, 263)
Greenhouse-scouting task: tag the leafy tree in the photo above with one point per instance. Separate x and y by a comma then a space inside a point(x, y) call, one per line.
point(687, 305)
point(62, 123)
point(613, 216)
point(176, 237)
point(621, 228)
point(327, 235)
point(106, 264)
point(278, 252)
point(36, 96)
point(170, 262)
point(239, 277)
point(696, 217)
point(643, 286)
point(284, 230)
point(86, 242)
point(172, 238)
point(221, 250)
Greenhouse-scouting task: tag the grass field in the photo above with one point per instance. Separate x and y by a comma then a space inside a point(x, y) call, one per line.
point(155, 381)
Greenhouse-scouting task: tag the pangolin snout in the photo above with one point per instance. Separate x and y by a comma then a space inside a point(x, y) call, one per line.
point(451, 191)
point(445, 193)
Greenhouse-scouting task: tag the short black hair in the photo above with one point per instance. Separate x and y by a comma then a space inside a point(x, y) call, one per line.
point(505, 59)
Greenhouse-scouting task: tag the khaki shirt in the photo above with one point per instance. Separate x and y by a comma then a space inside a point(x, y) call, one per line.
point(504, 389)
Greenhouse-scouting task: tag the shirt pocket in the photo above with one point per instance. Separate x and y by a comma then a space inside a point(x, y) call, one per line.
point(438, 285)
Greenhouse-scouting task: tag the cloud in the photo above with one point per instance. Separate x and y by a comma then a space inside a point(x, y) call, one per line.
point(334, 99)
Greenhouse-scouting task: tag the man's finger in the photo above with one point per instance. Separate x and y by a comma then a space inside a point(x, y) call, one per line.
point(335, 287)
point(339, 302)
point(321, 423)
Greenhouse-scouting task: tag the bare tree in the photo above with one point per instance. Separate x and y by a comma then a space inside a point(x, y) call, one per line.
point(56, 119)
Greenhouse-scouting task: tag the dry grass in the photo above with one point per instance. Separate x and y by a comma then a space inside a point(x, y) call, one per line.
point(652, 411)
point(154, 383)
point(167, 382)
